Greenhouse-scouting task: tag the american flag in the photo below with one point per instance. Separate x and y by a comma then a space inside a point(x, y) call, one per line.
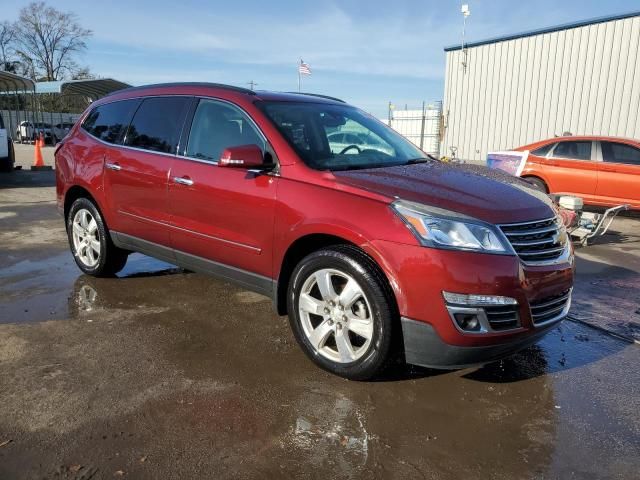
point(304, 69)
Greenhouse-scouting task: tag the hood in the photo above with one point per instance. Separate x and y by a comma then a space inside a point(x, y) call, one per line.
point(489, 195)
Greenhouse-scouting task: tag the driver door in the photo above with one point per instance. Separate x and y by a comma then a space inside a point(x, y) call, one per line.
point(222, 217)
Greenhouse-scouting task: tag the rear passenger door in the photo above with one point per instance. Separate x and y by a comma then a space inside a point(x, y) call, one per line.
point(222, 216)
point(619, 174)
point(572, 168)
point(136, 174)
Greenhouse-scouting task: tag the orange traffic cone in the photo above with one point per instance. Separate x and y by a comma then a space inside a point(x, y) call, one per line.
point(38, 162)
point(41, 139)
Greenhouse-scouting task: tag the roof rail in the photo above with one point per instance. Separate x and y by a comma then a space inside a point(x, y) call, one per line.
point(319, 96)
point(189, 84)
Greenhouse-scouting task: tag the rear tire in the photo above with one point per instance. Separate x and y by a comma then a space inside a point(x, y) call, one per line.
point(90, 243)
point(342, 312)
point(538, 184)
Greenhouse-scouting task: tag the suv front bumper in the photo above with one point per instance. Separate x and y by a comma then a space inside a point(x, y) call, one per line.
point(424, 347)
point(420, 275)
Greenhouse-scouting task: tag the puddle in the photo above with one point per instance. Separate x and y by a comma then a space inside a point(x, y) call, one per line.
point(41, 289)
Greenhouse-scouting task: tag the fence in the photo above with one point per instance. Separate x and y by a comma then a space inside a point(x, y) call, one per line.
point(12, 118)
point(421, 127)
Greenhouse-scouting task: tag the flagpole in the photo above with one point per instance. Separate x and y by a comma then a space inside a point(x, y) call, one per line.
point(299, 78)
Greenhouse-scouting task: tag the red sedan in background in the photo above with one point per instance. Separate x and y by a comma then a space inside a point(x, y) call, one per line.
point(604, 171)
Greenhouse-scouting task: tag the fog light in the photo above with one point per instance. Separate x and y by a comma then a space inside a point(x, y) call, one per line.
point(468, 322)
point(477, 300)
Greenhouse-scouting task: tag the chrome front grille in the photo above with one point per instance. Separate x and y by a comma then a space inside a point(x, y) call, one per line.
point(539, 241)
point(503, 317)
point(549, 308)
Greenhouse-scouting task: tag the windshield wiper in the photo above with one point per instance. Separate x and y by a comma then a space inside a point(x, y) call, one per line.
point(428, 158)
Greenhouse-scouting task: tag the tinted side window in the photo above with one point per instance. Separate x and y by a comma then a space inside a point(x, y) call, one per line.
point(1, 122)
point(574, 150)
point(157, 123)
point(620, 153)
point(109, 122)
point(542, 151)
point(217, 126)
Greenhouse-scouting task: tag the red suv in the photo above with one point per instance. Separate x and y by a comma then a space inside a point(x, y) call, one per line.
point(372, 249)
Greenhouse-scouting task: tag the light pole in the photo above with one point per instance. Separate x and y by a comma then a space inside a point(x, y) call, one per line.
point(465, 13)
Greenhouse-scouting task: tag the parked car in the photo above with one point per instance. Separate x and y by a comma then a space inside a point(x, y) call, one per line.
point(356, 142)
point(7, 155)
point(28, 131)
point(60, 130)
point(603, 171)
point(372, 255)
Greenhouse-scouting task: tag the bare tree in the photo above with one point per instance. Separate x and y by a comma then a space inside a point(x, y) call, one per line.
point(48, 41)
point(7, 37)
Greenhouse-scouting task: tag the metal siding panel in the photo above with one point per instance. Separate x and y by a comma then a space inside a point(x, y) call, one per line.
point(592, 99)
point(497, 120)
point(545, 82)
point(490, 95)
point(623, 96)
point(536, 90)
point(633, 122)
point(609, 86)
point(511, 88)
point(476, 135)
point(579, 81)
point(562, 121)
point(524, 93)
point(619, 69)
point(558, 42)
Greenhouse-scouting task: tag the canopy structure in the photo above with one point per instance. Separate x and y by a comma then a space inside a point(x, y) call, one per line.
point(11, 83)
point(92, 89)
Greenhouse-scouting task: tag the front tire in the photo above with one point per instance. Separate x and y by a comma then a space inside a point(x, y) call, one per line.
point(342, 312)
point(90, 243)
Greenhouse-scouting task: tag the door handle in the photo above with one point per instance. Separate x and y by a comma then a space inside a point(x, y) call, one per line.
point(113, 166)
point(183, 180)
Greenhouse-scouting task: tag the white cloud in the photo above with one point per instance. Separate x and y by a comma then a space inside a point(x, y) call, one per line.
point(330, 40)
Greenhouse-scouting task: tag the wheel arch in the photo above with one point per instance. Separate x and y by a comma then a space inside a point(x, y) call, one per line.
point(78, 191)
point(536, 176)
point(306, 244)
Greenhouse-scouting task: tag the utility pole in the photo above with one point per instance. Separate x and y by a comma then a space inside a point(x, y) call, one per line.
point(252, 84)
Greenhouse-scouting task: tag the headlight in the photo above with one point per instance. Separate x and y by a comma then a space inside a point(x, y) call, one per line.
point(439, 228)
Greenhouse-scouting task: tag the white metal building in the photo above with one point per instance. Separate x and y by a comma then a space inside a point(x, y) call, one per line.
point(582, 78)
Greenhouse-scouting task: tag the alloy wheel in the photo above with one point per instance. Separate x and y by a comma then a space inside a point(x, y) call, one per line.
point(86, 237)
point(335, 315)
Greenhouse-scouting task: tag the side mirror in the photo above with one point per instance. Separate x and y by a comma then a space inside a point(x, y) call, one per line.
point(242, 156)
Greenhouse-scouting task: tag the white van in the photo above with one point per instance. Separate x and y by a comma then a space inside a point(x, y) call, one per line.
point(7, 156)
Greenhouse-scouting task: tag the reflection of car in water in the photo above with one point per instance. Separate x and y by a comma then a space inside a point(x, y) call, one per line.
point(356, 142)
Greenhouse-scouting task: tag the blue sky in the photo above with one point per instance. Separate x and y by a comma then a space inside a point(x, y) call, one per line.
point(367, 52)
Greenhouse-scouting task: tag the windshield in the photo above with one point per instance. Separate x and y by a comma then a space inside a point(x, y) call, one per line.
point(339, 137)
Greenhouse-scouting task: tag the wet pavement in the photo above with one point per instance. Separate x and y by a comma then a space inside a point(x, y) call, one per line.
point(163, 373)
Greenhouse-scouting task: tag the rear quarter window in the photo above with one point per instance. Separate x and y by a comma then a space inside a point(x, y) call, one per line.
point(109, 122)
point(542, 151)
